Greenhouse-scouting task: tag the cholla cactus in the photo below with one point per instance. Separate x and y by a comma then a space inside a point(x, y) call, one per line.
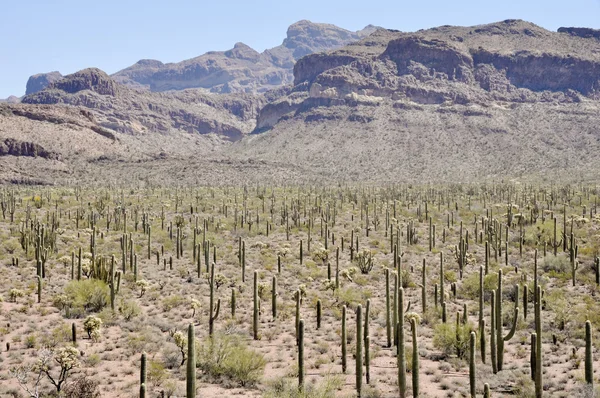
point(92, 325)
point(412, 315)
point(65, 260)
point(181, 342)
point(220, 280)
point(14, 294)
point(329, 285)
point(283, 252)
point(143, 286)
point(321, 254)
point(195, 304)
point(364, 260)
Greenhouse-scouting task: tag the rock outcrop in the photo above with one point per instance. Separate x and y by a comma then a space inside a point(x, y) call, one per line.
point(120, 109)
point(41, 81)
point(241, 69)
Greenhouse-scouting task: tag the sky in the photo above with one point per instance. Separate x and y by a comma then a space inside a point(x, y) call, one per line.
point(66, 35)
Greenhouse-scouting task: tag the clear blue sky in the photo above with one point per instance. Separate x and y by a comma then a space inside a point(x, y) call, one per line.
point(67, 35)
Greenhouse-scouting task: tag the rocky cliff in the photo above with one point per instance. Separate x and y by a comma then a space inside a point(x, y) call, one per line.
point(131, 111)
point(241, 69)
point(41, 81)
point(507, 99)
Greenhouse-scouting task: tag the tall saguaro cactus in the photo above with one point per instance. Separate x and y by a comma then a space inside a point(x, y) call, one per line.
point(472, 365)
point(500, 339)
point(255, 309)
point(589, 362)
point(344, 341)
point(212, 317)
point(415, 359)
point(538, 348)
point(401, 356)
point(301, 354)
point(359, 350)
point(190, 375)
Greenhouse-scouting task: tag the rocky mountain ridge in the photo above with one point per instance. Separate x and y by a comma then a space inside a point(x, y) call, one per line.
point(443, 104)
point(240, 69)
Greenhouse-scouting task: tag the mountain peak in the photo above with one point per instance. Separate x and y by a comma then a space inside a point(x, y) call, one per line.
point(242, 51)
point(40, 81)
point(92, 79)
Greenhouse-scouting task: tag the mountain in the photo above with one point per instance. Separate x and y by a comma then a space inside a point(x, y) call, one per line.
point(241, 69)
point(41, 81)
point(129, 111)
point(488, 102)
point(448, 103)
point(12, 100)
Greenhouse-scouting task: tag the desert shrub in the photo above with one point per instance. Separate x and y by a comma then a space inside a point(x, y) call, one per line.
point(559, 263)
point(83, 387)
point(287, 387)
point(129, 309)
point(53, 338)
point(348, 296)
point(157, 373)
point(470, 285)
point(524, 387)
point(31, 341)
point(91, 295)
point(227, 357)
point(445, 338)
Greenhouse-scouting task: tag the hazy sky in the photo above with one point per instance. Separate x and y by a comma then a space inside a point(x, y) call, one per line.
point(67, 35)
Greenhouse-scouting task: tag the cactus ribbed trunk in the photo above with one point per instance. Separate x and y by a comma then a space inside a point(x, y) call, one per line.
point(344, 341)
point(415, 359)
point(589, 362)
point(401, 352)
point(301, 354)
point(359, 350)
point(143, 376)
point(472, 365)
point(190, 375)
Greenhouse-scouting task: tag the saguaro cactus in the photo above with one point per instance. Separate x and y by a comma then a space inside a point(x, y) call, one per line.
point(301, 354)
point(500, 339)
point(401, 356)
point(589, 362)
point(344, 341)
point(274, 297)
point(143, 376)
point(472, 364)
point(388, 327)
point(212, 317)
point(190, 375)
point(255, 310)
point(359, 350)
point(538, 348)
point(415, 359)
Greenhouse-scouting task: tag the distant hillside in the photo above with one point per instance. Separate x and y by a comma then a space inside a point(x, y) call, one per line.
point(487, 102)
point(241, 69)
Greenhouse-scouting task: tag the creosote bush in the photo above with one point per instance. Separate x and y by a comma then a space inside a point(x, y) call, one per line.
point(89, 295)
point(228, 357)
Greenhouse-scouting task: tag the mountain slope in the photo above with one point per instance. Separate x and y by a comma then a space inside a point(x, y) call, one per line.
point(129, 111)
point(241, 69)
point(488, 102)
point(456, 103)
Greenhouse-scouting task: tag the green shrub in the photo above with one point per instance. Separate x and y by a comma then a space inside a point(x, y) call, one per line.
point(470, 285)
point(228, 357)
point(287, 387)
point(559, 264)
point(129, 309)
point(91, 295)
point(444, 338)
